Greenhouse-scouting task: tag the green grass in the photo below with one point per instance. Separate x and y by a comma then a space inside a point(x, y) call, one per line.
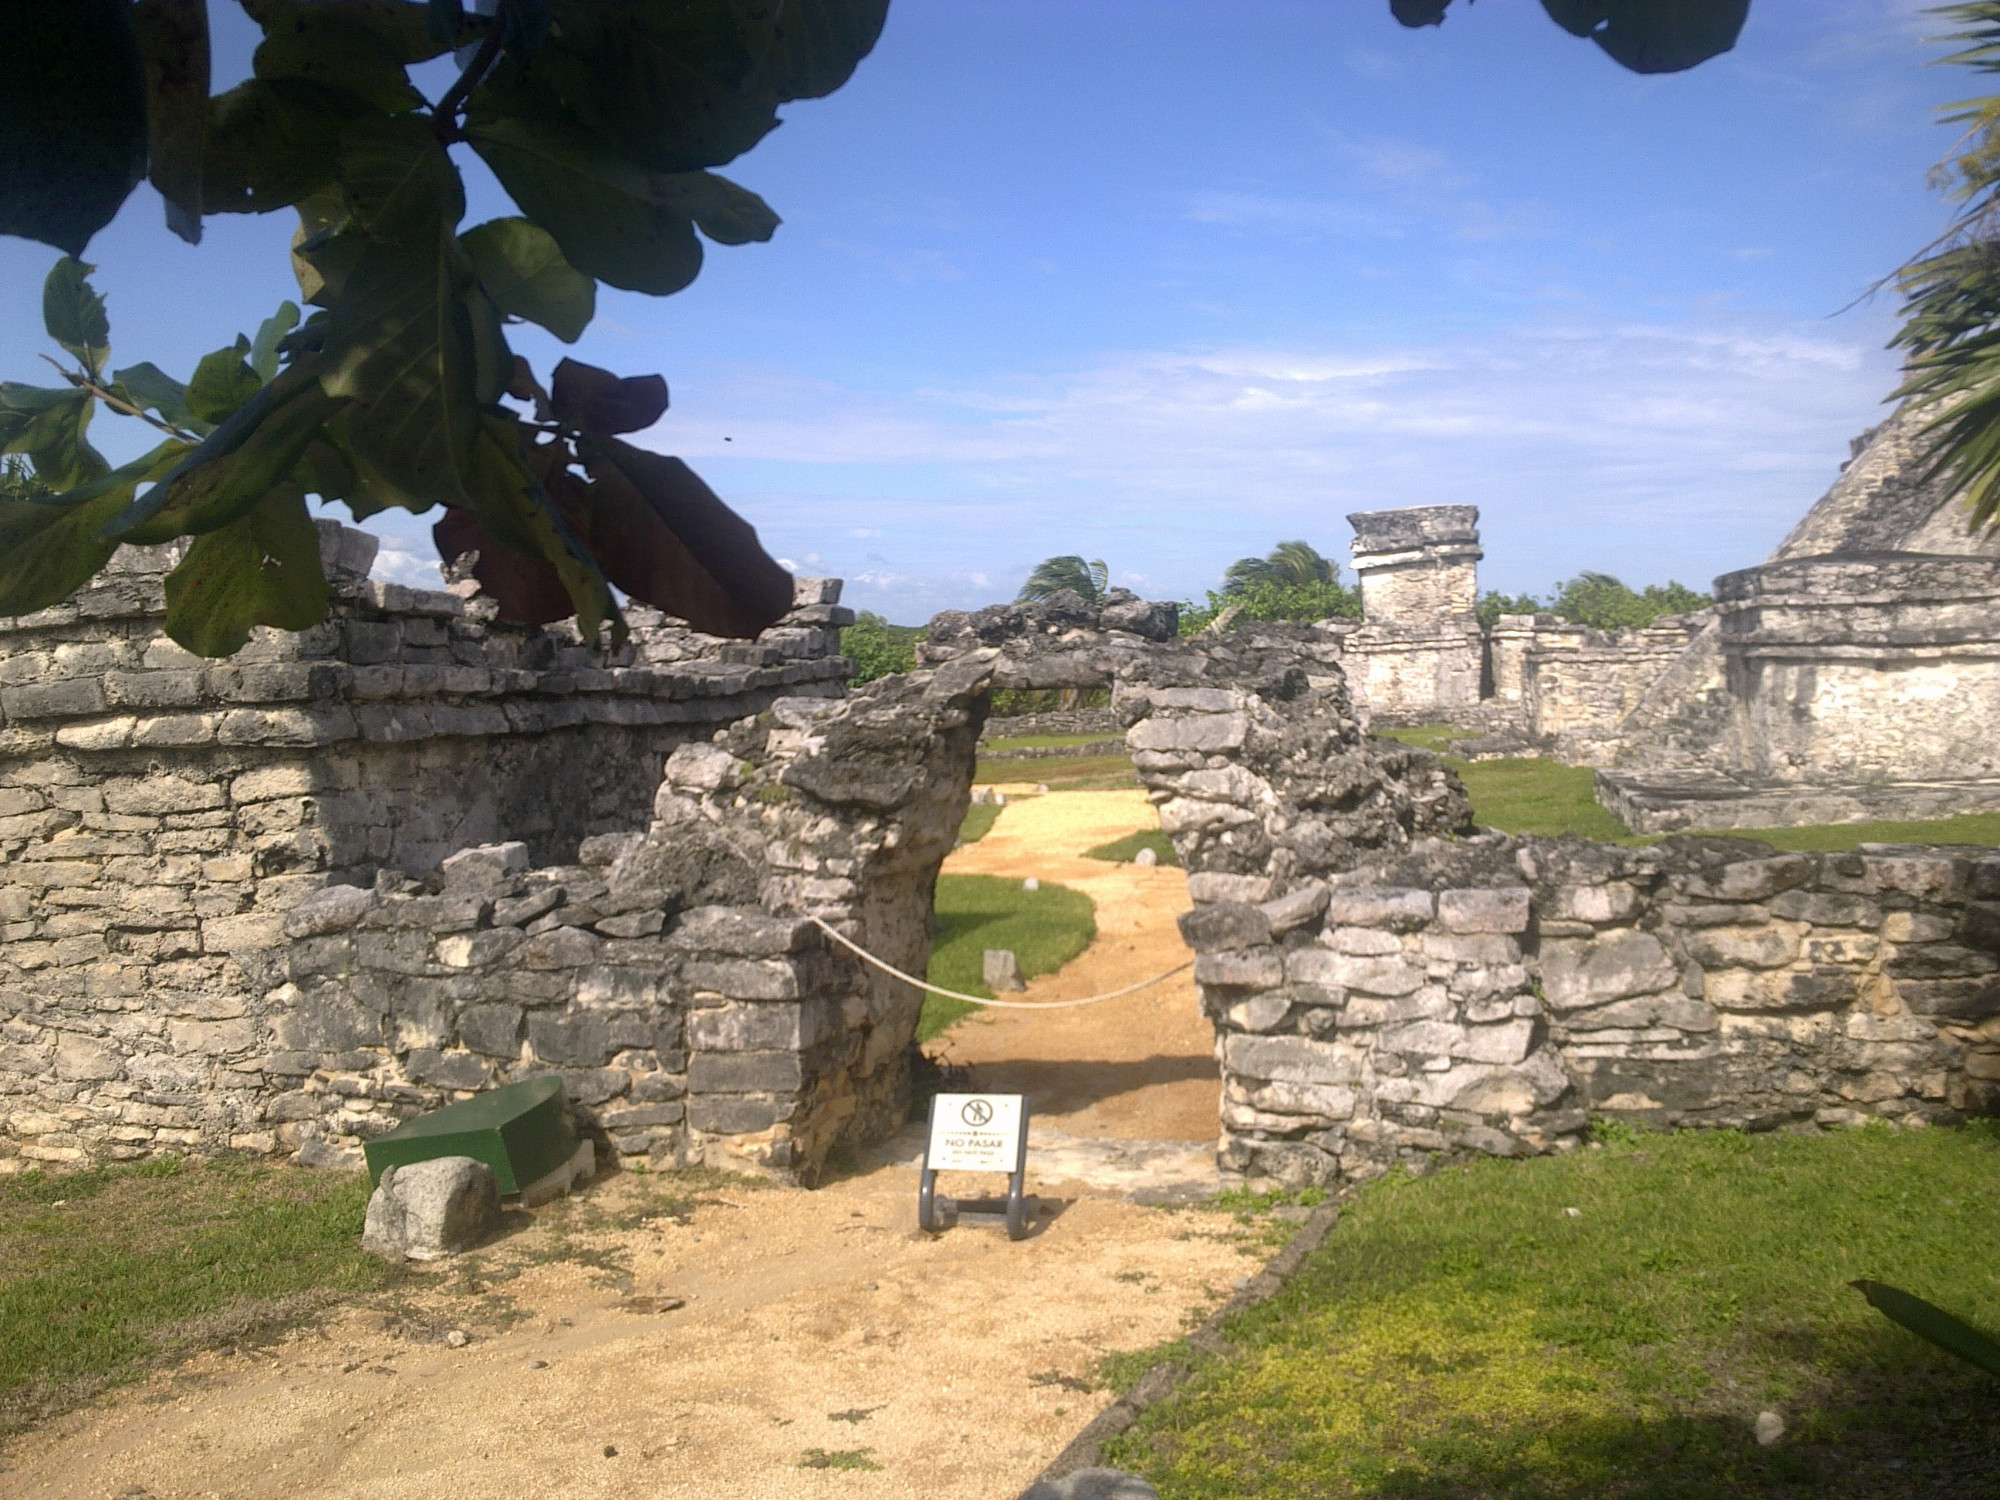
point(1045, 928)
point(105, 1272)
point(1466, 1336)
point(978, 822)
point(1066, 773)
point(1546, 797)
point(1120, 851)
point(1043, 741)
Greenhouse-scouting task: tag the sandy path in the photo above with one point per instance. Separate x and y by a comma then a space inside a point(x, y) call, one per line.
point(947, 1354)
point(954, 1362)
point(1141, 1067)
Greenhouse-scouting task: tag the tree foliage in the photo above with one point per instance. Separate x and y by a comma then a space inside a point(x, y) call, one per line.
point(1287, 565)
point(1951, 290)
point(601, 118)
point(877, 648)
point(1599, 601)
point(1299, 603)
point(1647, 36)
point(1054, 574)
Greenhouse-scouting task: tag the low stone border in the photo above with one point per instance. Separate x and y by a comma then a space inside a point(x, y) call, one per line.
point(1086, 1449)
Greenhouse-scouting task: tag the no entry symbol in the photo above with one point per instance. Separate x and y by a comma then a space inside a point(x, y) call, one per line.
point(976, 1112)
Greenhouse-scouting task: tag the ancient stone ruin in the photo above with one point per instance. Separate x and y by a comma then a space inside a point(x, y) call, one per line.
point(1854, 674)
point(282, 902)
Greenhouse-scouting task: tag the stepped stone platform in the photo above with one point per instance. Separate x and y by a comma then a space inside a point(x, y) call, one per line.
point(1699, 801)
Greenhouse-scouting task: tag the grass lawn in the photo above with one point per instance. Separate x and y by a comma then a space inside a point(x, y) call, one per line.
point(1045, 928)
point(1120, 851)
point(107, 1271)
point(1065, 773)
point(1610, 1324)
point(1005, 743)
point(1547, 797)
point(978, 822)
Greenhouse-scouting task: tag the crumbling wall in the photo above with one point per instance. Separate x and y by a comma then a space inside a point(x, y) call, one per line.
point(1419, 655)
point(1490, 994)
point(1579, 686)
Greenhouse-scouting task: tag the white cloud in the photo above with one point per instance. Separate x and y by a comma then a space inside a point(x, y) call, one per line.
point(1651, 448)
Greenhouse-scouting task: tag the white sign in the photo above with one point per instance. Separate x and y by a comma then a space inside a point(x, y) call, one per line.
point(975, 1133)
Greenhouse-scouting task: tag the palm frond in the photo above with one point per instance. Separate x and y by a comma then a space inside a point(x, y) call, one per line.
point(1087, 578)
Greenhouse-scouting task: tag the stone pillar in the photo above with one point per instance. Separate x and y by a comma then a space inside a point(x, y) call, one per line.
point(1417, 567)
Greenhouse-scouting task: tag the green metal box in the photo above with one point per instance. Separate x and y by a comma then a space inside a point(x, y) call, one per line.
point(523, 1132)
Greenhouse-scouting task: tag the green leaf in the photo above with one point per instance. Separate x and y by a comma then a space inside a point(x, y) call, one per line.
point(272, 143)
point(607, 215)
point(264, 350)
point(726, 213)
point(152, 389)
point(1933, 1323)
point(399, 181)
point(72, 119)
point(676, 88)
point(235, 466)
point(263, 568)
point(492, 360)
point(323, 46)
point(1654, 36)
point(73, 313)
point(173, 41)
point(223, 382)
point(49, 427)
point(48, 552)
point(522, 269)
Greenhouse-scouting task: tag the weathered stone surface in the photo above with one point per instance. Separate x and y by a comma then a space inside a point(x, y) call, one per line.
point(1495, 911)
point(431, 1209)
point(1001, 970)
point(484, 866)
point(334, 909)
point(1092, 1484)
point(1224, 925)
point(1608, 967)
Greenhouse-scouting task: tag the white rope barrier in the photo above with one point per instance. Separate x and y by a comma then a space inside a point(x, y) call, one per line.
point(890, 969)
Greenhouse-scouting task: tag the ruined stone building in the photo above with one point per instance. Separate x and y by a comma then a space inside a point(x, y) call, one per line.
point(280, 903)
point(1854, 674)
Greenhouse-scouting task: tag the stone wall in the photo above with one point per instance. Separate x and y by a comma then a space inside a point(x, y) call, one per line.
point(1490, 994)
point(1059, 721)
point(161, 815)
point(1578, 685)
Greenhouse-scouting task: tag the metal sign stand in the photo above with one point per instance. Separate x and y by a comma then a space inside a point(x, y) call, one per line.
point(966, 1113)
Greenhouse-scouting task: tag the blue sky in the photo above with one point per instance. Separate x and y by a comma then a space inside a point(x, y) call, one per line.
point(1167, 281)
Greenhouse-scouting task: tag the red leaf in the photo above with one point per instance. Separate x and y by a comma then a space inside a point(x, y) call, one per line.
point(598, 401)
point(526, 588)
point(664, 537)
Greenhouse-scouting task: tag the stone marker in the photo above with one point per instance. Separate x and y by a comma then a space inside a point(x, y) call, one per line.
point(1147, 857)
point(431, 1209)
point(1002, 970)
point(1092, 1484)
point(1770, 1427)
point(1031, 884)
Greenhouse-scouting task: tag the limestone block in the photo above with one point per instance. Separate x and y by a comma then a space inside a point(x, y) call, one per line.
point(1957, 999)
point(484, 865)
point(68, 698)
point(243, 934)
point(1826, 909)
point(1241, 968)
point(1092, 1484)
point(633, 924)
point(1295, 910)
point(582, 1041)
point(1209, 733)
point(211, 1038)
point(745, 1073)
point(1767, 947)
point(1485, 949)
point(1288, 1059)
point(518, 911)
point(156, 795)
point(1614, 901)
point(1753, 879)
point(83, 1059)
point(1915, 927)
point(335, 909)
point(1495, 911)
point(760, 1027)
point(1199, 700)
point(1224, 925)
point(704, 768)
point(1507, 1042)
point(478, 950)
point(1260, 1012)
point(746, 979)
point(1576, 974)
point(1001, 970)
point(431, 1209)
point(1364, 941)
point(447, 1070)
point(1179, 815)
point(1390, 908)
point(1387, 976)
point(1751, 990)
point(1424, 1038)
point(1327, 1101)
point(561, 948)
point(1209, 886)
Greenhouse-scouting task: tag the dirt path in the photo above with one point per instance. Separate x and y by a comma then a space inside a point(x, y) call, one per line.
point(811, 1327)
point(953, 1367)
point(1141, 1067)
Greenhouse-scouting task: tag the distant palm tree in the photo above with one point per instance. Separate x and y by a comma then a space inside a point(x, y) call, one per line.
point(1290, 565)
point(1056, 573)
